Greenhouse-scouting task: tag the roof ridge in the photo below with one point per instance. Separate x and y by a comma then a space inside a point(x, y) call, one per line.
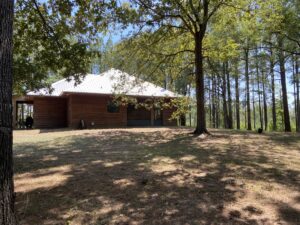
point(105, 83)
point(56, 82)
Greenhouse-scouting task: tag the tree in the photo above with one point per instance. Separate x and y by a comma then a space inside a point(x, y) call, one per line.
point(237, 96)
point(230, 116)
point(7, 211)
point(297, 81)
point(53, 39)
point(48, 38)
point(274, 117)
point(281, 57)
point(181, 17)
point(246, 51)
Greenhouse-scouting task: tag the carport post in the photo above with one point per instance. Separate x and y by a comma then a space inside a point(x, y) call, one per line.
point(152, 116)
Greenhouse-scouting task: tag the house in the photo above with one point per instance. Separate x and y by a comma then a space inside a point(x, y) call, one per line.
point(68, 104)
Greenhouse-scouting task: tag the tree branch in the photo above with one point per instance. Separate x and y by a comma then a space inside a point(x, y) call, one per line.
point(49, 30)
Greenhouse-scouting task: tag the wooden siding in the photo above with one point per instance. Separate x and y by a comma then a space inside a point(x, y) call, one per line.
point(139, 114)
point(144, 117)
point(50, 112)
point(138, 117)
point(167, 113)
point(93, 109)
point(58, 112)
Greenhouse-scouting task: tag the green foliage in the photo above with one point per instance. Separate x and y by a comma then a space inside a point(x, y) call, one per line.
point(182, 106)
point(53, 37)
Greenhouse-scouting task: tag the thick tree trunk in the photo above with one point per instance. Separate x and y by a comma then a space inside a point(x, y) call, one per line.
point(237, 99)
point(230, 117)
point(287, 125)
point(7, 211)
point(247, 89)
point(201, 123)
point(274, 119)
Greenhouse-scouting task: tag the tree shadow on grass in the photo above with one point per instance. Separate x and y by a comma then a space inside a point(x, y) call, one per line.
point(289, 214)
point(122, 177)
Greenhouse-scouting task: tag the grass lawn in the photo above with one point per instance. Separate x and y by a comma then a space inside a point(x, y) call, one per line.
point(156, 176)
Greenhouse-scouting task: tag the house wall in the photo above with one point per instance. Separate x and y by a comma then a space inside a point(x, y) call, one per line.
point(138, 117)
point(139, 114)
point(167, 113)
point(145, 117)
point(50, 112)
point(93, 108)
point(59, 112)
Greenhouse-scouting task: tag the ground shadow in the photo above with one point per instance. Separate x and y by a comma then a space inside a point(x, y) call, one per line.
point(125, 177)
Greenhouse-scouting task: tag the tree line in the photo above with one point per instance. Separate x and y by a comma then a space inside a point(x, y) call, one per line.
point(249, 61)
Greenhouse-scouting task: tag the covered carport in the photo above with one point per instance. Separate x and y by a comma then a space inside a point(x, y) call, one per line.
point(47, 112)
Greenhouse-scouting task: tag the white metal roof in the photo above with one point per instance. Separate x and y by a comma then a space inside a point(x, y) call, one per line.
point(110, 82)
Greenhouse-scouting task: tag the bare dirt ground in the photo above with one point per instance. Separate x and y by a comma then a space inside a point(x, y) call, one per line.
point(156, 176)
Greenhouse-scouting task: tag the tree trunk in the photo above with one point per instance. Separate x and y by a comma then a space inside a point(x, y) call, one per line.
point(281, 107)
point(218, 102)
point(294, 86)
point(190, 107)
point(297, 93)
point(210, 102)
point(230, 117)
point(225, 113)
point(237, 98)
point(214, 101)
point(287, 125)
point(247, 89)
point(245, 112)
point(201, 123)
point(253, 104)
point(273, 91)
point(259, 97)
point(264, 79)
point(7, 210)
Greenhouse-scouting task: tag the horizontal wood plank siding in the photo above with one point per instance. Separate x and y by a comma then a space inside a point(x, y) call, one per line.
point(93, 109)
point(50, 112)
point(59, 112)
point(139, 114)
point(167, 113)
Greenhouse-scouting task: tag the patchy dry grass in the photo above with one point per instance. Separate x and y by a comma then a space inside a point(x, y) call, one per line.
point(156, 176)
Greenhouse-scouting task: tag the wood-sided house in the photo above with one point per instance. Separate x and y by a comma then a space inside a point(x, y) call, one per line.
point(67, 104)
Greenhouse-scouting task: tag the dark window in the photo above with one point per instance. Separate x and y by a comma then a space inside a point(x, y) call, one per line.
point(113, 107)
point(131, 108)
point(157, 114)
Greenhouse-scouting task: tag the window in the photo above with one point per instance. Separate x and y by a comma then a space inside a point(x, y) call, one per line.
point(113, 107)
point(131, 108)
point(157, 113)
